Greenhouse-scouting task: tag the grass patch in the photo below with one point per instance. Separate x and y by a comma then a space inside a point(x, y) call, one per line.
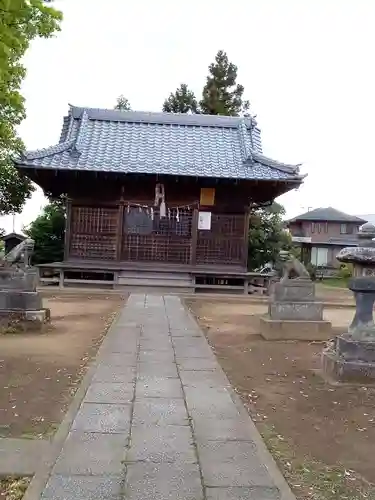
point(13, 488)
point(335, 282)
point(314, 480)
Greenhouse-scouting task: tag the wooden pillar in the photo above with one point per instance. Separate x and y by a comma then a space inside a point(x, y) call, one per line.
point(246, 238)
point(194, 237)
point(120, 229)
point(67, 228)
point(61, 278)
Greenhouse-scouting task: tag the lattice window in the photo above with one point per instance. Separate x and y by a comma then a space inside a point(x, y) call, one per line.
point(150, 238)
point(93, 233)
point(94, 220)
point(224, 243)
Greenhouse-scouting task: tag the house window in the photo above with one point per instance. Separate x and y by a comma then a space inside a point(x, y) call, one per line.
point(313, 227)
point(343, 229)
point(319, 256)
point(326, 227)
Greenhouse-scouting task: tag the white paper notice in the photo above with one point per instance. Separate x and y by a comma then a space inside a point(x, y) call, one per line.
point(204, 220)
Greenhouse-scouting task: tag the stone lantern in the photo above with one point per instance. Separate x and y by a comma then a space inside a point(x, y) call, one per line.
point(351, 355)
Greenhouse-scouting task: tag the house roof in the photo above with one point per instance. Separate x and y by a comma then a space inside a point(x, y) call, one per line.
point(160, 143)
point(328, 214)
point(13, 235)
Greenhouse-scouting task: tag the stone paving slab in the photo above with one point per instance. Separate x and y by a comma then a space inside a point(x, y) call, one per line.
point(159, 411)
point(84, 488)
point(92, 454)
point(103, 418)
point(161, 444)
point(19, 456)
point(196, 364)
point(107, 392)
point(163, 481)
point(159, 387)
point(158, 421)
point(158, 369)
point(239, 493)
point(114, 374)
point(232, 463)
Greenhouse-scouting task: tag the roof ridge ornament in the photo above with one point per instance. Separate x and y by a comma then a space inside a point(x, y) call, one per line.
point(246, 143)
point(81, 135)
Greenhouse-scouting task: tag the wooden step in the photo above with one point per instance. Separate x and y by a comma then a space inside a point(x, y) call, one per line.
point(165, 275)
point(154, 289)
point(144, 281)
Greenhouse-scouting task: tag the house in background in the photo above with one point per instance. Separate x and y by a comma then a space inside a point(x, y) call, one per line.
point(322, 233)
point(368, 217)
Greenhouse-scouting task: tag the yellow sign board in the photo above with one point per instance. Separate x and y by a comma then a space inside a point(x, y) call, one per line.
point(207, 197)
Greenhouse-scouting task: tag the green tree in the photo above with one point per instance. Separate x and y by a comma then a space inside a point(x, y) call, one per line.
point(181, 101)
point(222, 95)
point(2, 232)
point(123, 104)
point(48, 232)
point(21, 21)
point(267, 235)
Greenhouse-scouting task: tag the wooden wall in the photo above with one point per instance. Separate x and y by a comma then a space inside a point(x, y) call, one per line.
point(130, 228)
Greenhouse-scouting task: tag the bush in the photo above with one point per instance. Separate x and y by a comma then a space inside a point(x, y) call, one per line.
point(345, 271)
point(311, 269)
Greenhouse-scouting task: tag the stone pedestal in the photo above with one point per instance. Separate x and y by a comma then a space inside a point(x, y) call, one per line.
point(21, 307)
point(350, 357)
point(294, 314)
point(349, 360)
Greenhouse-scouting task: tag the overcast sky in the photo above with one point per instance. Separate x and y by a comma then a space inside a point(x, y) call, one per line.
point(307, 68)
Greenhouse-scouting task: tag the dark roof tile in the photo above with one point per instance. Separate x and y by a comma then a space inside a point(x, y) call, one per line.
point(328, 214)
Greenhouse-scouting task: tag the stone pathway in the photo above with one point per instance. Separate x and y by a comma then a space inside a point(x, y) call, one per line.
point(157, 421)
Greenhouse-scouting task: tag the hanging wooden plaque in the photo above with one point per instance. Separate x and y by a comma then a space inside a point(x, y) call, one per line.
point(207, 197)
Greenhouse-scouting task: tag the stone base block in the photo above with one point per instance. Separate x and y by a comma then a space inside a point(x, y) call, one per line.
point(17, 300)
point(352, 349)
point(293, 290)
point(338, 369)
point(300, 311)
point(17, 279)
point(24, 321)
point(272, 329)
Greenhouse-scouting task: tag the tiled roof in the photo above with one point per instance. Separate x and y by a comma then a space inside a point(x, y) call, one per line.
point(328, 214)
point(160, 143)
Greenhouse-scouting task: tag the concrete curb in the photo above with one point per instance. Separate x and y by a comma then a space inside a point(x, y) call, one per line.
point(263, 452)
point(42, 473)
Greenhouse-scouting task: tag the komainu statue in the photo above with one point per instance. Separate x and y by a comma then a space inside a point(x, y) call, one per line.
point(292, 266)
point(20, 256)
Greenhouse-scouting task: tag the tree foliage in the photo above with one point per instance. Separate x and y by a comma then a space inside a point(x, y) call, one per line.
point(123, 104)
point(181, 101)
point(267, 235)
point(21, 21)
point(220, 95)
point(48, 232)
